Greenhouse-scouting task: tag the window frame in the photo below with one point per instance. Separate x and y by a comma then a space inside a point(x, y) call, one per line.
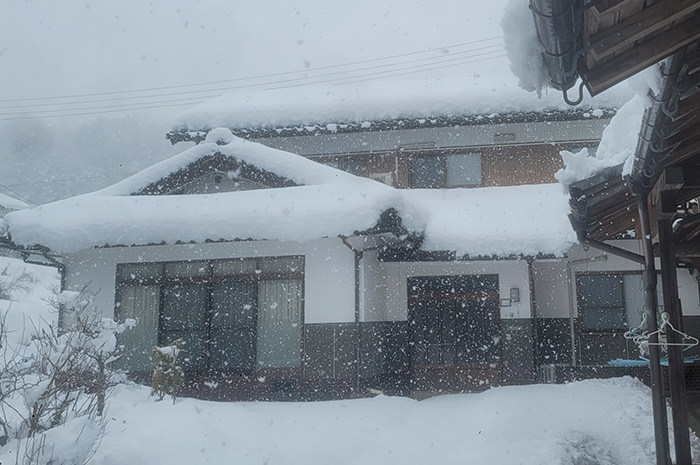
point(621, 275)
point(443, 157)
point(209, 279)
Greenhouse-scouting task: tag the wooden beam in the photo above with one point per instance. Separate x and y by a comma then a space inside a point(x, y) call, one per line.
point(642, 55)
point(643, 23)
point(612, 224)
point(688, 106)
point(663, 199)
point(663, 195)
point(689, 149)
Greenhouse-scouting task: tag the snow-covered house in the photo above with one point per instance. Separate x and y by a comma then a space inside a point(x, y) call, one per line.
point(486, 132)
point(286, 277)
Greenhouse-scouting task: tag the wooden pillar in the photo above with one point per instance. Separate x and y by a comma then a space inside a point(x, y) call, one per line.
point(658, 402)
point(676, 375)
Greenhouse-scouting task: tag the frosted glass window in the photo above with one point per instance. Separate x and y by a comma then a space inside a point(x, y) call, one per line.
point(613, 301)
point(233, 315)
point(279, 323)
point(464, 170)
point(454, 319)
point(139, 303)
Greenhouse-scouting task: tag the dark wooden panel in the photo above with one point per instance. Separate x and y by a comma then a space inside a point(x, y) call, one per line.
point(641, 56)
point(640, 25)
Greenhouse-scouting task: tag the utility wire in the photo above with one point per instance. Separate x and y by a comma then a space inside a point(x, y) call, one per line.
point(340, 76)
point(99, 112)
point(435, 59)
point(248, 78)
point(399, 71)
point(345, 76)
point(419, 71)
point(188, 100)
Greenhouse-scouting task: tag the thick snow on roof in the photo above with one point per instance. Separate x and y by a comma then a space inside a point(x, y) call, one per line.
point(294, 167)
point(487, 221)
point(287, 214)
point(498, 221)
point(12, 203)
point(380, 101)
point(620, 138)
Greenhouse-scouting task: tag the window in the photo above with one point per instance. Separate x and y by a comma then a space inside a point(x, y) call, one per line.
point(435, 171)
point(464, 170)
point(235, 316)
point(611, 302)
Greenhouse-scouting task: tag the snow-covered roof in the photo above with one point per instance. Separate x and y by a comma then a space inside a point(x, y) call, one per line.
point(499, 221)
point(12, 203)
point(369, 102)
point(618, 144)
point(220, 141)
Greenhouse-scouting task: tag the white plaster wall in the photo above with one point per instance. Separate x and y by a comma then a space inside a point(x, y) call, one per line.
point(329, 286)
point(373, 293)
point(511, 273)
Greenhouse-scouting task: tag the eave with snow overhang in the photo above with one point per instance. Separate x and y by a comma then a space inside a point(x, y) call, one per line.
point(381, 107)
point(608, 42)
point(522, 127)
point(666, 159)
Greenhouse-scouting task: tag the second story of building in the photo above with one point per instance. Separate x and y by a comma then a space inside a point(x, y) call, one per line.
point(442, 136)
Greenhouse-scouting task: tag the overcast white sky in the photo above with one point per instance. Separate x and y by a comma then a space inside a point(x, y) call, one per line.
point(104, 51)
point(82, 47)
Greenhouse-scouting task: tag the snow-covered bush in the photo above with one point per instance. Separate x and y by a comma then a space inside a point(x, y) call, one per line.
point(167, 373)
point(57, 380)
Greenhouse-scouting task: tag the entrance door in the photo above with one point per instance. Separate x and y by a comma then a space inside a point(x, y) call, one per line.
point(455, 331)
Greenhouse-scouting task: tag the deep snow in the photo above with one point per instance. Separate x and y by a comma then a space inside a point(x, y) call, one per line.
point(589, 422)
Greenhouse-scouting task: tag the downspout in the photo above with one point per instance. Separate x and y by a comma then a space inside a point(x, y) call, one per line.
point(661, 440)
point(358, 254)
point(533, 311)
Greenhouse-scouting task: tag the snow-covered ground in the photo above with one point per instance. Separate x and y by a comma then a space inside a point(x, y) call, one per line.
point(589, 422)
point(602, 422)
